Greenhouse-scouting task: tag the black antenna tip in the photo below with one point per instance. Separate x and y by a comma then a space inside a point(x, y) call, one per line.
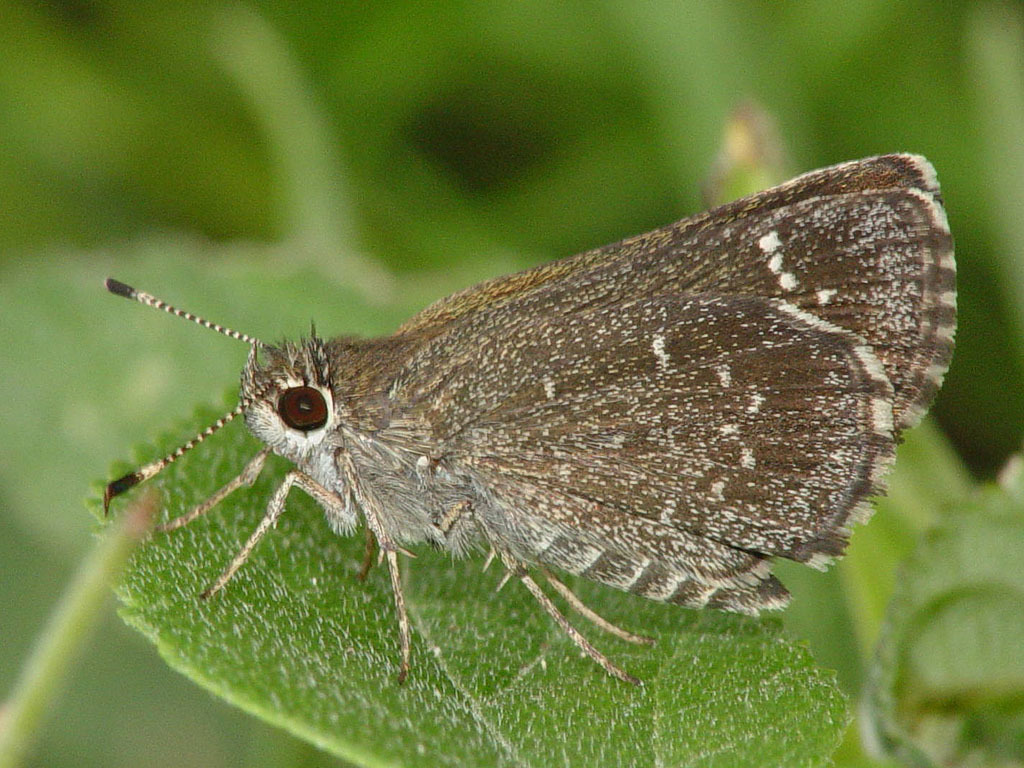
point(119, 486)
point(119, 288)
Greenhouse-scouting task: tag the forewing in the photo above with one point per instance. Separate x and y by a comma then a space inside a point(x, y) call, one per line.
point(864, 246)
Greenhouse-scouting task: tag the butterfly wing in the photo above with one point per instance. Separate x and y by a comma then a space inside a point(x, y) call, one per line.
point(863, 245)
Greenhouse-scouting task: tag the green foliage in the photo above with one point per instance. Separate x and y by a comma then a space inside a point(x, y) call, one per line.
point(948, 683)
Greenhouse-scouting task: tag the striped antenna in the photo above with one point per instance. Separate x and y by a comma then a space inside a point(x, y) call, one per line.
point(120, 289)
point(143, 473)
point(122, 484)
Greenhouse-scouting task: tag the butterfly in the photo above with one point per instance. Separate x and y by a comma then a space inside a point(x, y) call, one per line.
point(663, 415)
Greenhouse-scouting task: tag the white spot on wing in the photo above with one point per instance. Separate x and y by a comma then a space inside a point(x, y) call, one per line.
point(658, 346)
point(587, 559)
point(549, 387)
point(724, 375)
point(769, 243)
point(542, 539)
point(881, 414)
point(825, 295)
point(812, 321)
point(716, 490)
point(617, 440)
point(935, 373)
point(747, 458)
point(756, 401)
point(422, 466)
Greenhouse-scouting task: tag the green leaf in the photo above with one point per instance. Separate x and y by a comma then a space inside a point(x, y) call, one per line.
point(297, 640)
point(947, 687)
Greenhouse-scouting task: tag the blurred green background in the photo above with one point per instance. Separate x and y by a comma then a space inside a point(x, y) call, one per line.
point(272, 163)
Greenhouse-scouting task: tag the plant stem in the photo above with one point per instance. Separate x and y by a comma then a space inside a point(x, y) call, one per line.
point(319, 217)
point(67, 630)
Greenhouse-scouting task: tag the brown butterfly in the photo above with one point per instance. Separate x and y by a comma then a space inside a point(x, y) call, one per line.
point(663, 415)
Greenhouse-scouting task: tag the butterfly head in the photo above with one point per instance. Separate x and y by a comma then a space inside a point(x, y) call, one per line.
point(286, 396)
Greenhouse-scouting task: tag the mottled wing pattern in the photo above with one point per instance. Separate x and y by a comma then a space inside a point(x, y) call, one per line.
point(668, 445)
point(704, 396)
point(878, 262)
point(864, 245)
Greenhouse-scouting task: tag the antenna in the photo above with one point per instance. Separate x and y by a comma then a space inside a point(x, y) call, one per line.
point(122, 484)
point(121, 289)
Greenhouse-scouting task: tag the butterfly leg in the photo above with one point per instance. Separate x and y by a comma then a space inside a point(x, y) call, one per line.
point(329, 501)
point(368, 553)
point(246, 478)
point(404, 634)
point(590, 614)
point(389, 550)
point(519, 570)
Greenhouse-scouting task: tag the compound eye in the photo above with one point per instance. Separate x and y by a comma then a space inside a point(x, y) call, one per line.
point(303, 408)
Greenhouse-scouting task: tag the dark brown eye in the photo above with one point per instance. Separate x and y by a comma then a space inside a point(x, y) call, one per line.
point(303, 408)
